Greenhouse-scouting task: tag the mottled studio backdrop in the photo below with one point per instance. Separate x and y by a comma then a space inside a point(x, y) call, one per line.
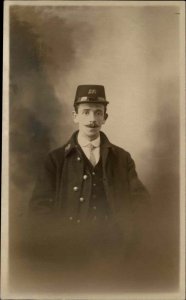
point(134, 53)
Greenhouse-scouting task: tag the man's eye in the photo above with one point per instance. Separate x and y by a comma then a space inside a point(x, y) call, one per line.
point(86, 112)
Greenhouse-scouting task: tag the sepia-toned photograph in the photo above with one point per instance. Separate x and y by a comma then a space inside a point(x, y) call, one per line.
point(93, 152)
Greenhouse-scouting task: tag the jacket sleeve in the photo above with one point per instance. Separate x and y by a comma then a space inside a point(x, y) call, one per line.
point(138, 193)
point(43, 197)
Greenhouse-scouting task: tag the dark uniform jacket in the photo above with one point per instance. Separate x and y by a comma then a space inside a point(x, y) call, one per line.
point(61, 203)
point(64, 186)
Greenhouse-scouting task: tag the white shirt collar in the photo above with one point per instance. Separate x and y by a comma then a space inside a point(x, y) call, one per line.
point(83, 142)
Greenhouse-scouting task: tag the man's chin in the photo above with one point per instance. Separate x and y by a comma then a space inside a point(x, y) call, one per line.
point(91, 132)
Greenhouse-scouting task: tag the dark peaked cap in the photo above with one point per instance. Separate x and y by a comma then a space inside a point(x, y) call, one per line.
point(90, 93)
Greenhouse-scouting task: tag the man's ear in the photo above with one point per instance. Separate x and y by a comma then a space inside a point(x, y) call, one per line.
point(106, 116)
point(75, 116)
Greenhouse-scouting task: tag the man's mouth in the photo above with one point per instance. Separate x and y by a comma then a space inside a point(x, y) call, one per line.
point(92, 126)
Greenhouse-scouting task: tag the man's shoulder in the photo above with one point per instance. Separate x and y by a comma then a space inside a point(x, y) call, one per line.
point(117, 150)
point(106, 142)
point(120, 151)
point(59, 153)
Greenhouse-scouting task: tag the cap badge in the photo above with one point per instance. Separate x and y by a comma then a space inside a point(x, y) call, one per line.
point(91, 91)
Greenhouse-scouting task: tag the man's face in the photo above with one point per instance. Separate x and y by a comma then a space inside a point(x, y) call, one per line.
point(90, 117)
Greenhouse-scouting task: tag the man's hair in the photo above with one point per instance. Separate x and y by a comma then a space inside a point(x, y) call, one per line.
point(77, 105)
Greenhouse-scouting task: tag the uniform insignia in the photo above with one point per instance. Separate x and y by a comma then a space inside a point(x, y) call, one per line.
point(67, 147)
point(91, 91)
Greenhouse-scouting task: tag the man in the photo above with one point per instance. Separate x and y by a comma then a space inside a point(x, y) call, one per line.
point(88, 198)
point(89, 180)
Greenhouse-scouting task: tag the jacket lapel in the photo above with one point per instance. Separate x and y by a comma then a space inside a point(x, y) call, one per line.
point(106, 148)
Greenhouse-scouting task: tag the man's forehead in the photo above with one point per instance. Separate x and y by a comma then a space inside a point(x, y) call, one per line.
point(93, 106)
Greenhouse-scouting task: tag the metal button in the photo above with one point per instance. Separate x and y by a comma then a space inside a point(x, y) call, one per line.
point(93, 173)
point(70, 218)
point(78, 158)
point(81, 199)
point(106, 217)
point(75, 188)
point(95, 218)
point(94, 184)
point(78, 221)
point(85, 177)
point(94, 196)
point(50, 200)
point(94, 207)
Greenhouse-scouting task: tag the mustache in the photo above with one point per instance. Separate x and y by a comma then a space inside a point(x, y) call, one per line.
point(92, 125)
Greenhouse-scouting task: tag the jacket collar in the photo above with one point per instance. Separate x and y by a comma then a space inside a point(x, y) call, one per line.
point(83, 142)
point(73, 145)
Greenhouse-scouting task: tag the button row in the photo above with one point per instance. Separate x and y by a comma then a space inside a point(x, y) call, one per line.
point(75, 188)
point(94, 218)
point(71, 218)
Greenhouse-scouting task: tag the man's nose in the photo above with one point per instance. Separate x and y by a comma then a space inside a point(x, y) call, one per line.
point(92, 117)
